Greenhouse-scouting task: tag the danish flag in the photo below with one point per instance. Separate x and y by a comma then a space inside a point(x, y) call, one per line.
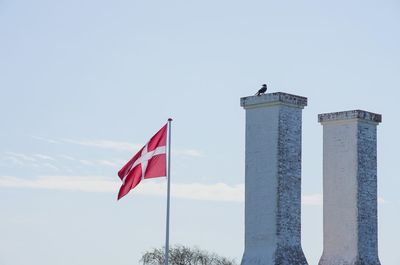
point(149, 162)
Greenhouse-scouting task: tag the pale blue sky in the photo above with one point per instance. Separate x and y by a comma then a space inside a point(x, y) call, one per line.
point(85, 83)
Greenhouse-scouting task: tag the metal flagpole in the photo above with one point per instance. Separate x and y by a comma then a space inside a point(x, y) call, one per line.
point(168, 192)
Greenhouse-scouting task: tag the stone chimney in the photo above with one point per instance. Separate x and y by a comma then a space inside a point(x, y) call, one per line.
point(350, 188)
point(273, 179)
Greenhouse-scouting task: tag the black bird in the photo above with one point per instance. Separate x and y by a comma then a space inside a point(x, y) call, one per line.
point(262, 90)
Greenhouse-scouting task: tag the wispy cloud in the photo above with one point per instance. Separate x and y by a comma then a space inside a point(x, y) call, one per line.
point(187, 152)
point(110, 163)
point(206, 192)
point(50, 166)
point(54, 162)
point(51, 141)
point(118, 146)
point(86, 162)
point(21, 157)
point(44, 157)
point(194, 191)
point(127, 146)
point(28, 157)
point(105, 144)
point(33, 160)
point(103, 162)
point(74, 183)
point(67, 157)
point(12, 160)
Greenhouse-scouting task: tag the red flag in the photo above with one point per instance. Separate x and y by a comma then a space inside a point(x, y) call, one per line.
point(149, 162)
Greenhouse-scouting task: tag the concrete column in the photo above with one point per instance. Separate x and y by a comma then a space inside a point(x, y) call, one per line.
point(350, 188)
point(273, 179)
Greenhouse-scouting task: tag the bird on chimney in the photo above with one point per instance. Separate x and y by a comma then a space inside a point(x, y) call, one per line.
point(262, 90)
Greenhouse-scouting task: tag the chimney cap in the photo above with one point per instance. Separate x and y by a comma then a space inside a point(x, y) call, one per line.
point(350, 115)
point(273, 99)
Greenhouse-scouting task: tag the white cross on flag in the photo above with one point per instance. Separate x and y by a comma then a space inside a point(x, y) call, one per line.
point(149, 162)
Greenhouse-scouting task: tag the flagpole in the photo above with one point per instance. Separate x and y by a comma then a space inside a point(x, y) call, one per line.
point(168, 192)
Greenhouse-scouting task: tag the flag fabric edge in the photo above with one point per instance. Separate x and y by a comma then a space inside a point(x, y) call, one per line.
point(149, 162)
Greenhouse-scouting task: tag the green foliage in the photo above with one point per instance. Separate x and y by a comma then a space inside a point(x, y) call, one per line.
point(181, 255)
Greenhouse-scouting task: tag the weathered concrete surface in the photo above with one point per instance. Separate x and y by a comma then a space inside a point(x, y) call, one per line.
point(350, 115)
point(350, 188)
point(273, 180)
